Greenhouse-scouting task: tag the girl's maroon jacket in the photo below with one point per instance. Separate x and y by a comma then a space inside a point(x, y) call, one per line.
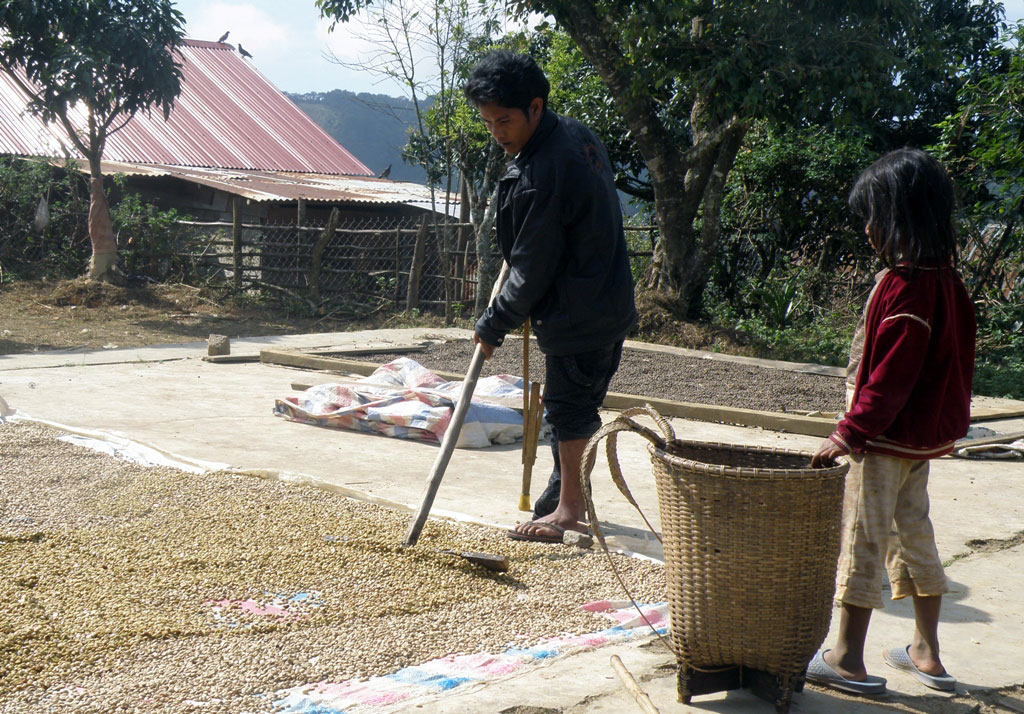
point(912, 397)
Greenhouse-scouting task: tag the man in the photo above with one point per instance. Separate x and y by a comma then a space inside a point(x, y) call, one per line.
point(559, 227)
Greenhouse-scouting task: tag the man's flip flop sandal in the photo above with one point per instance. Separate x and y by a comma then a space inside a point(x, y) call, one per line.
point(819, 672)
point(899, 658)
point(539, 537)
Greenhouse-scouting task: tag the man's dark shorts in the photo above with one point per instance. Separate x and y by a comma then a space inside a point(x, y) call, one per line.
point(575, 387)
point(574, 390)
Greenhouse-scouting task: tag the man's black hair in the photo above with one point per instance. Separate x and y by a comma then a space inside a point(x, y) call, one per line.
point(906, 201)
point(508, 79)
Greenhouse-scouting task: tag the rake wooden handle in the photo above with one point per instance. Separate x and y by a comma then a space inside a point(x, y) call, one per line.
point(451, 434)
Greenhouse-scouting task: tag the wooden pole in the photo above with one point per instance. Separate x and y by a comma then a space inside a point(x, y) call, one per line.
point(530, 445)
point(451, 434)
point(412, 296)
point(641, 697)
point(236, 242)
point(524, 496)
point(398, 254)
point(318, 254)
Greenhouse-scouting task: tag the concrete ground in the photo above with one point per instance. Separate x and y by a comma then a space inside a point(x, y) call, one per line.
point(166, 397)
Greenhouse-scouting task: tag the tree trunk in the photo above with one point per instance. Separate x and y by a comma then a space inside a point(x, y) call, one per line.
point(103, 265)
point(698, 270)
point(682, 178)
point(486, 270)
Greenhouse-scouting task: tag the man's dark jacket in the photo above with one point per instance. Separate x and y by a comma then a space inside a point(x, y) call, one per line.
point(560, 230)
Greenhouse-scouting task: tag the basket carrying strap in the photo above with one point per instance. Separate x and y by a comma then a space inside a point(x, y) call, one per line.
point(623, 422)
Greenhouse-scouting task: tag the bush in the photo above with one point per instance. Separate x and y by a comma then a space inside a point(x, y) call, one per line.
point(999, 367)
point(147, 237)
point(62, 247)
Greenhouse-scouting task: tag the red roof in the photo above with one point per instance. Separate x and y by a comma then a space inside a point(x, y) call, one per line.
point(227, 116)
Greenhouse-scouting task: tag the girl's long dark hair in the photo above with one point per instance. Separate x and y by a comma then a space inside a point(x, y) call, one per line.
point(906, 200)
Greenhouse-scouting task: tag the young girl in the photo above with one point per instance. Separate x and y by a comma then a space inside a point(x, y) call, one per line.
point(909, 393)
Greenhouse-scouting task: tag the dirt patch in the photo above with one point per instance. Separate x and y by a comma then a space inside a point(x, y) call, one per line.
point(85, 314)
point(994, 545)
point(657, 321)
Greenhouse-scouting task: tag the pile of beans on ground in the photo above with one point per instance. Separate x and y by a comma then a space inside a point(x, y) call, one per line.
point(128, 588)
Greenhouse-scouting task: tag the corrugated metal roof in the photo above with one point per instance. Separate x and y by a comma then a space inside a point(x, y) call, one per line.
point(227, 116)
point(260, 186)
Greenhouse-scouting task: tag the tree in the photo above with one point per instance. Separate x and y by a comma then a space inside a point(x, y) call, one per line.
point(689, 77)
point(689, 92)
point(983, 144)
point(106, 60)
point(423, 46)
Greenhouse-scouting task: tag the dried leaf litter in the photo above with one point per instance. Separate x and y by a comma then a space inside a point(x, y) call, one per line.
point(127, 588)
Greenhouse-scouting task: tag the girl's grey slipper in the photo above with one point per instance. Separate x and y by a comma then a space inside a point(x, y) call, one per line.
point(819, 672)
point(899, 658)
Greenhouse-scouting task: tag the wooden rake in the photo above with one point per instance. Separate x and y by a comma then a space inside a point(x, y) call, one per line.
point(451, 434)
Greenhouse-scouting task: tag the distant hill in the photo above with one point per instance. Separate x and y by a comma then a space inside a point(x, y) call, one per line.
point(373, 127)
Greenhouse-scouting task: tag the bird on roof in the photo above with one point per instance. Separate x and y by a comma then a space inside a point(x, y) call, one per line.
point(386, 172)
point(241, 51)
point(224, 37)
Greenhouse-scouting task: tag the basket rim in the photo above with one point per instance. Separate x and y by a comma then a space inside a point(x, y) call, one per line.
point(749, 472)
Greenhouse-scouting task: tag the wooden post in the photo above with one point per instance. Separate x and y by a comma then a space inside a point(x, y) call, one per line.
point(398, 255)
point(412, 297)
point(318, 252)
point(300, 218)
point(236, 242)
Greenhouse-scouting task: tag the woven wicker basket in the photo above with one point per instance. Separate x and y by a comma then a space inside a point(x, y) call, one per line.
point(751, 540)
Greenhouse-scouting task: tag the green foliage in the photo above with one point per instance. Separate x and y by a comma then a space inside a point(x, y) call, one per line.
point(147, 237)
point(785, 201)
point(62, 247)
point(112, 59)
point(983, 144)
point(999, 368)
point(789, 328)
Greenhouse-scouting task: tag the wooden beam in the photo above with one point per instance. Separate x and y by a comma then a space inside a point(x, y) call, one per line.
point(236, 242)
point(987, 440)
point(793, 423)
point(304, 360)
point(992, 413)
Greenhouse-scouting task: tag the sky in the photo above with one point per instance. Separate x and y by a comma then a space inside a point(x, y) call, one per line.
point(288, 41)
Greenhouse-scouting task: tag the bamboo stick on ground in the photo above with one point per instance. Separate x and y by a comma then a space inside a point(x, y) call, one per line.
point(641, 697)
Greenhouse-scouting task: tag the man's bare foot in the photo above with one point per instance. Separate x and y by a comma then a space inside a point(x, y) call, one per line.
point(564, 519)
